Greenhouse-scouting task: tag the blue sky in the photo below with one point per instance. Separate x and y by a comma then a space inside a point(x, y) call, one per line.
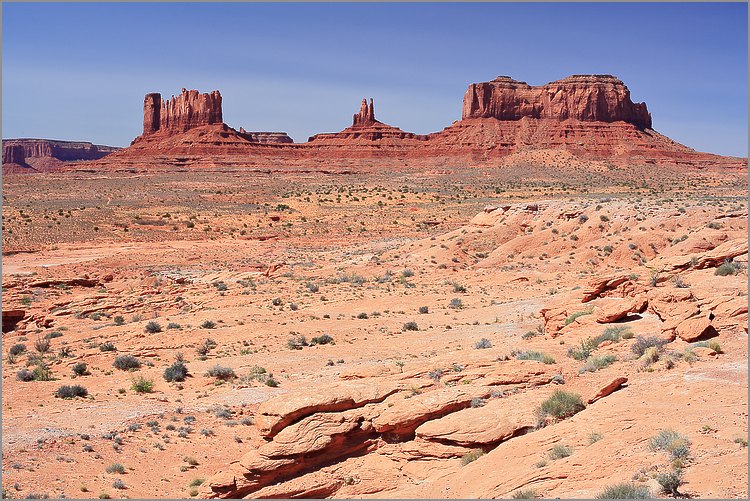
point(79, 71)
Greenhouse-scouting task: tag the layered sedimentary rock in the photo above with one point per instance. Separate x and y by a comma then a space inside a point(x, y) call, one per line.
point(36, 155)
point(186, 111)
point(266, 137)
point(366, 127)
point(588, 98)
point(585, 117)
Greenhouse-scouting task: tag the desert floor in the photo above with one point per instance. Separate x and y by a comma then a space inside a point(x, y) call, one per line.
point(461, 298)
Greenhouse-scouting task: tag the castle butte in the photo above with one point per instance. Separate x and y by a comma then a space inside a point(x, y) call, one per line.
point(588, 117)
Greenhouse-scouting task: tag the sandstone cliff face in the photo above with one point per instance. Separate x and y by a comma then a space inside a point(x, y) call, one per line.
point(181, 113)
point(366, 115)
point(21, 155)
point(266, 137)
point(600, 98)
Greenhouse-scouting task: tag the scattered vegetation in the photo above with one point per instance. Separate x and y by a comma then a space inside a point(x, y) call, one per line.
point(221, 373)
point(533, 355)
point(675, 443)
point(67, 391)
point(126, 363)
point(625, 491)
point(562, 404)
point(142, 385)
point(483, 344)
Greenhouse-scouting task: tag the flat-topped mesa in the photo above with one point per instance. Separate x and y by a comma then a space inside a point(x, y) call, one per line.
point(186, 111)
point(590, 98)
point(366, 115)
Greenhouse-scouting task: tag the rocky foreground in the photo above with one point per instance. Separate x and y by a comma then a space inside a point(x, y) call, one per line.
point(548, 347)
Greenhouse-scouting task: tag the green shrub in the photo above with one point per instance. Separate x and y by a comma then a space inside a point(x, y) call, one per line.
point(575, 315)
point(562, 404)
point(596, 363)
point(115, 468)
point(126, 363)
point(472, 456)
point(727, 268)
point(675, 443)
point(670, 482)
point(583, 351)
point(324, 339)
point(560, 451)
point(107, 346)
point(152, 327)
point(625, 491)
point(80, 369)
point(297, 342)
point(119, 320)
point(644, 343)
point(483, 344)
point(221, 373)
point(17, 349)
point(178, 371)
point(533, 355)
point(42, 373)
point(196, 482)
point(143, 385)
point(67, 391)
point(524, 494)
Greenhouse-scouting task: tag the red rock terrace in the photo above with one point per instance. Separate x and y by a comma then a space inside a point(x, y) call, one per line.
point(22, 156)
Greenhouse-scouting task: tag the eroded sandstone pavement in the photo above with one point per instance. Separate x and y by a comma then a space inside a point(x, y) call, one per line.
point(426, 357)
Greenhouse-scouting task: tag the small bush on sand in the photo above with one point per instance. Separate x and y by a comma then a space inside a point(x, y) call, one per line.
point(67, 391)
point(178, 371)
point(625, 491)
point(221, 373)
point(562, 404)
point(126, 363)
point(152, 327)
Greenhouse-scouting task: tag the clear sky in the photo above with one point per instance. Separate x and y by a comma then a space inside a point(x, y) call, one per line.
point(80, 71)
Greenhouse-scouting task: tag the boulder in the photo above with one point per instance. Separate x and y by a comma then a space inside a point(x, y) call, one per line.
point(695, 328)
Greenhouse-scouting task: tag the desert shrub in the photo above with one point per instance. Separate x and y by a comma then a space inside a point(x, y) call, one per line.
point(66, 391)
point(312, 287)
point(65, 352)
point(42, 373)
point(118, 484)
point(458, 288)
point(80, 369)
point(42, 344)
point(524, 494)
point(115, 468)
point(119, 320)
point(712, 345)
point(410, 326)
point(596, 363)
point(270, 381)
point(152, 327)
point(324, 339)
point(178, 371)
point(625, 491)
point(435, 374)
point(583, 351)
point(727, 268)
point(560, 451)
point(142, 385)
point(675, 443)
point(17, 349)
point(220, 286)
point(196, 482)
point(483, 344)
point(363, 316)
point(594, 437)
point(472, 456)
point(670, 482)
point(643, 343)
point(206, 432)
point(297, 342)
point(478, 402)
point(208, 324)
point(456, 303)
point(53, 335)
point(25, 375)
point(562, 404)
point(575, 315)
point(533, 355)
point(173, 325)
point(611, 334)
point(126, 363)
point(107, 346)
point(221, 373)
point(424, 309)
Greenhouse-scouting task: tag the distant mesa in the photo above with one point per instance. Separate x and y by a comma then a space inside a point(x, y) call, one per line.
point(41, 155)
point(588, 98)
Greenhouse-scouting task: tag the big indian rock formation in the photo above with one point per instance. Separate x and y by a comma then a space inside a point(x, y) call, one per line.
point(589, 117)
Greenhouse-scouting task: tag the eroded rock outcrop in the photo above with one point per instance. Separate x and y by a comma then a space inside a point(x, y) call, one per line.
point(39, 155)
point(188, 110)
point(596, 98)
